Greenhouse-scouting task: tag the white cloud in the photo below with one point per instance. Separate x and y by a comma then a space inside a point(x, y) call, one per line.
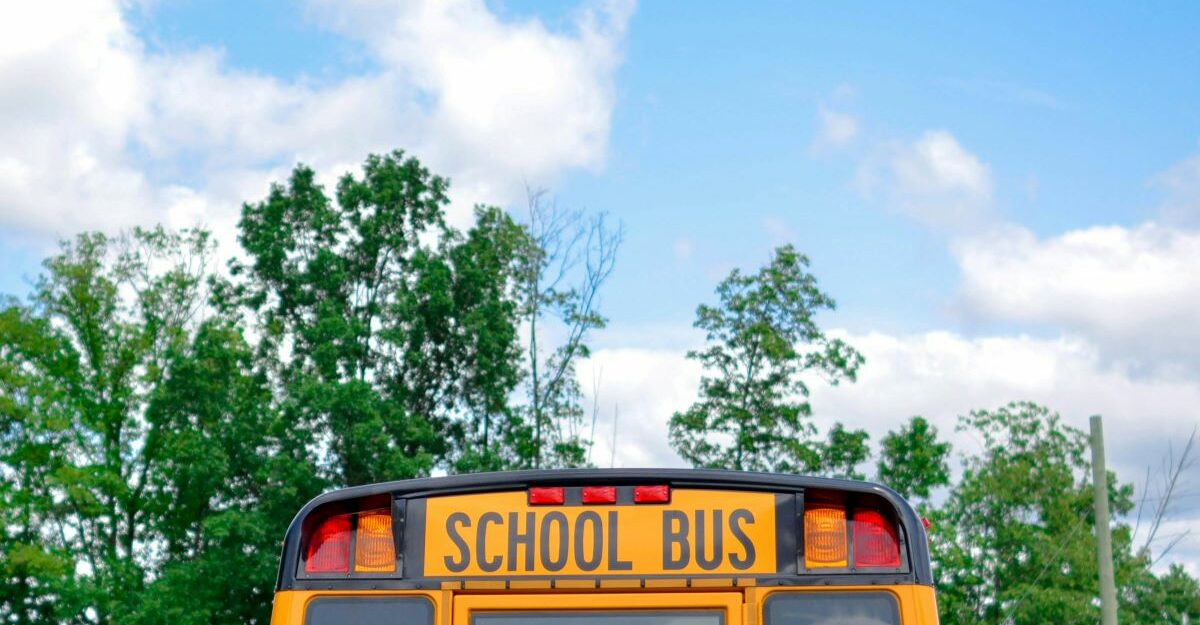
point(835, 129)
point(513, 101)
point(1135, 292)
point(73, 91)
point(936, 374)
point(1181, 182)
point(96, 132)
point(683, 249)
point(939, 375)
point(1011, 93)
point(933, 179)
point(639, 389)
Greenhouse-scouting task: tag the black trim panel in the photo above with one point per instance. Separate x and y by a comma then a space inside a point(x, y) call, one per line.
point(414, 545)
point(785, 533)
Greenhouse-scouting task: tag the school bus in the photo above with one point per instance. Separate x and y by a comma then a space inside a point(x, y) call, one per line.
point(607, 547)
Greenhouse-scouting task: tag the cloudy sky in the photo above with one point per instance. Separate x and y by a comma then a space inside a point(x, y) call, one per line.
point(1005, 201)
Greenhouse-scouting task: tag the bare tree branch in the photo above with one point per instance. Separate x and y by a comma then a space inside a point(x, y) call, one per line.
point(1172, 470)
point(572, 257)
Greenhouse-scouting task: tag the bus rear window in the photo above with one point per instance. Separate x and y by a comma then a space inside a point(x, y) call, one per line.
point(832, 608)
point(590, 617)
point(369, 611)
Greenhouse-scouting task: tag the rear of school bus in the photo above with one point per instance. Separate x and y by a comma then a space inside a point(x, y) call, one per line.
point(615, 547)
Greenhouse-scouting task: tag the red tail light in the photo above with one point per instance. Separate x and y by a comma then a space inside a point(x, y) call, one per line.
point(543, 496)
point(652, 494)
point(599, 494)
point(875, 543)
point(329, 547)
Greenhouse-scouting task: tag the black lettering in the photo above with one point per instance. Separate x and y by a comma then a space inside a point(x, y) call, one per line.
point(487, 566)
point(735, 518)
point(672, 537)
point(705, 562)
point(581, 522)
point(615, 563)
point(559, 560)
point(460, 565)
point(520, 538)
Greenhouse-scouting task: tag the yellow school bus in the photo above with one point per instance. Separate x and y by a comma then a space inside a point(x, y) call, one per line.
point(607, 547)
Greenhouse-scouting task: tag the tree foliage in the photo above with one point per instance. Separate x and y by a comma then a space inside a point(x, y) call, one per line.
point(842, 452)
point(753, 412)
point(1012, 548)
point(136, 427)
point(351, 300)
point(913, 461)
point(160, 424)
point(1014, 541)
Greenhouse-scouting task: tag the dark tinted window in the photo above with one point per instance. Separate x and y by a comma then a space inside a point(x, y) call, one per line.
point(832, 608)
point(369, 611)
point(586, 617)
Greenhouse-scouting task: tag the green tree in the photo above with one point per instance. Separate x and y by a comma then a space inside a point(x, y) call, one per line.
point(36, 564)
point(842, 452)
point(1014, 541)
point(486, 265)
point(349, 302)
point(133, 421)
point(753, 412)
point(398, 339)
point(912, 460)
point(1164, 598)
point(227, 488)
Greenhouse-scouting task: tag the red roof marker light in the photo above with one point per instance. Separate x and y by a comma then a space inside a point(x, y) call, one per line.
point(652, 494)
point(599, 494)
point(546, 496)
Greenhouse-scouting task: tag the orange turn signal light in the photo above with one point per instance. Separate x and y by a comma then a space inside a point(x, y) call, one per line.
point(825, 536)
point(375, 549)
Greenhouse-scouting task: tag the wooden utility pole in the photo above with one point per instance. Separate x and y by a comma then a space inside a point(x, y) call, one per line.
point(1108, 587)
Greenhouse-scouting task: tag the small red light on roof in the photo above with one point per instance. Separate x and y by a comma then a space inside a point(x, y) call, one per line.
point(652, 494)
point(544, 496)
point(599, 494)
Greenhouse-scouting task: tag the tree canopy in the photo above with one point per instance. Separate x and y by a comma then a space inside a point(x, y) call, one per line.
point(761, 339)
point(162, 420)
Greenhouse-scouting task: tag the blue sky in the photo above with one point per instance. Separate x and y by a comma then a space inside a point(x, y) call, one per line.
point(1003, 198)
point(716, 109)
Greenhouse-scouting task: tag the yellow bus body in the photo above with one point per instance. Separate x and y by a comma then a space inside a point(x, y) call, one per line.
point(743, 605)
point(720, 546)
